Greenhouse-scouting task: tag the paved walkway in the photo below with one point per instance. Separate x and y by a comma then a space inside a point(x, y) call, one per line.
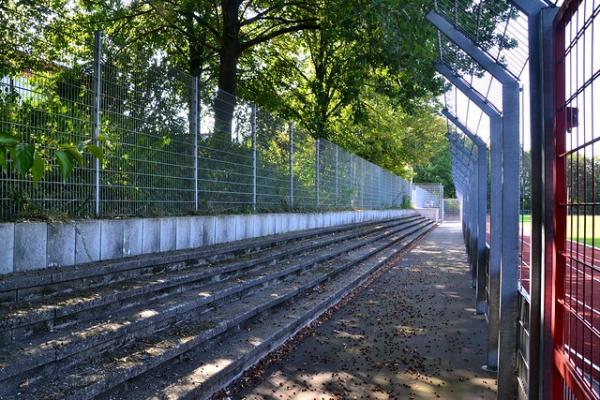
point(412, 334)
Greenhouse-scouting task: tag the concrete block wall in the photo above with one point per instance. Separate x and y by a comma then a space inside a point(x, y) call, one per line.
point(28, 246)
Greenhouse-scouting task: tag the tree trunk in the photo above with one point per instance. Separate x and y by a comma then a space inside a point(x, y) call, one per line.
point(321, 91)
point(225, 100)
point(196, 62)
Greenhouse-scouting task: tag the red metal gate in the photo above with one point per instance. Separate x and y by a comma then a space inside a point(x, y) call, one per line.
point(575, 268)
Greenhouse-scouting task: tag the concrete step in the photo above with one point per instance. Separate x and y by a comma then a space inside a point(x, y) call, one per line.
point(203, 331)
point(25, 362)
point(24, 319)
point(41, 284)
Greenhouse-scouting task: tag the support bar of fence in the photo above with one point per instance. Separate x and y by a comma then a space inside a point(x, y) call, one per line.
point(96, 111)
point(291, 133)
point(494, 261)
point(482, 177)
point(548, 16)
point(254, 154)
point(318, 171)
point(195, 128)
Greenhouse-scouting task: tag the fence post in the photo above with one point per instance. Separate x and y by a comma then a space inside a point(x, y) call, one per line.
point(318, 171)
point(253, 127)
point(291, 133)
point(362, 183)
point(195, 132)
point(336, 175)
point(96, 110)
point(441, 203)
point(351, 179)
point(541, 322)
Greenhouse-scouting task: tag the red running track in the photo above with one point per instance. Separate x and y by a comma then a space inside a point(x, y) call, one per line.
point(581, 333)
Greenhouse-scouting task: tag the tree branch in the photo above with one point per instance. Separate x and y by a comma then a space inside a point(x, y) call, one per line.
point(261, 15)
point(205, 24)
point(266, 37)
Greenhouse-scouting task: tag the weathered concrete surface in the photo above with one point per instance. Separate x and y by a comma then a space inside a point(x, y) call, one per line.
point(111, 239)
point(7, 247)
point(412, 334)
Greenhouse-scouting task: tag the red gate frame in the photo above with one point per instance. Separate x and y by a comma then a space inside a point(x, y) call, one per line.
point(565, 380)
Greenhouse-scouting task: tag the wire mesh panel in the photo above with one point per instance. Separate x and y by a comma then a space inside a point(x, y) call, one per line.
point(525, 223)
point(225, 158)
point(304, 170)
point(149, 163)
point(577, 273)
point(345, 189)
point(273, 157)
point(45, 99)
point(367, 185)
point(429, 195)
point(451, 210)
point(328, 171)
point(354, 181)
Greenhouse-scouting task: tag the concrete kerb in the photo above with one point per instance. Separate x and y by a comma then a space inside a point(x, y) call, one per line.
point(87, 243)
point(183, 233)
point(61, 244)
point(7, 247)
point(30, 244)
point(35, 245)
point(168, 234)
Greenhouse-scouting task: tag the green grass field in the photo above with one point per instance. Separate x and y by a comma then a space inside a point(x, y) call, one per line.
point(584, 229)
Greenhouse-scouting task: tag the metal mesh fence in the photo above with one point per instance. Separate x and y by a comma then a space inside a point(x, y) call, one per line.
point(46, 98)
point(168, 148)
point(429, 195)
point(149, 164)
point(452, 210)
point(273, 162)
point(225, 158)
point(304, 177)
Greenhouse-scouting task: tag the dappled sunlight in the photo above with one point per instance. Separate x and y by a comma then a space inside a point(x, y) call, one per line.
point(256, 341)
point(412, 334)
point(147, 313)
point(409, 330)
point(347, 335)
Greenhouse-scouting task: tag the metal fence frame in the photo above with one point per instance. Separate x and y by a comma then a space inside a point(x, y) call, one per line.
point(173, 158)
point(575, 271)
point(537, 342)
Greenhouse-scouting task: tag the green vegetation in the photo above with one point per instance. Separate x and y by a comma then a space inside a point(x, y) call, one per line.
point(359, 73)
point(355, 72)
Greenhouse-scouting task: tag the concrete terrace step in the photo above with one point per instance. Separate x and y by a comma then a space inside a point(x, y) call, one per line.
point(24, 362)
point(164, 347)
point(20, 320)
point(30, 285)
point(208, 368)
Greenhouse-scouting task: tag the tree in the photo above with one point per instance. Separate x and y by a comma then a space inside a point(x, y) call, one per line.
point(198, 32)
point(365, 80)
point(438, 170)
point(31, 64)
point(386, 47)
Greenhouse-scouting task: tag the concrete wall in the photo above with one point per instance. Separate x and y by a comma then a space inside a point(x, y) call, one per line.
point(34, 245)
